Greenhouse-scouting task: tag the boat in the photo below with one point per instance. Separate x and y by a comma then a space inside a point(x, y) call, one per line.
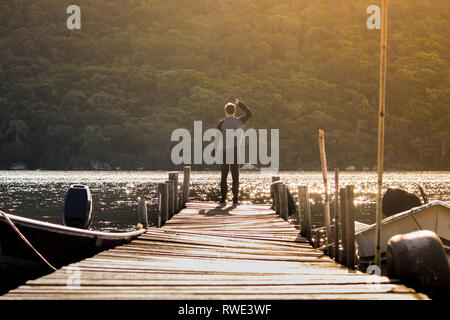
point(434, 216)
point(58, 244)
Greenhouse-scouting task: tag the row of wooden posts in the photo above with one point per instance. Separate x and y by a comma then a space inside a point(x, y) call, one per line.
point(170, 201)
point(339, 244)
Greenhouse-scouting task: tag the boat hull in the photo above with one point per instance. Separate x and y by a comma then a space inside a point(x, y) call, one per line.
point(59, 245)
point(434, 216)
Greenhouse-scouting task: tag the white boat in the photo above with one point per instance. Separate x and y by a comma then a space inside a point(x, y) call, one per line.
point(434, 216)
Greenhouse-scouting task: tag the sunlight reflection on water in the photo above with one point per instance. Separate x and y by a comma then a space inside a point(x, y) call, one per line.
point(40, 194)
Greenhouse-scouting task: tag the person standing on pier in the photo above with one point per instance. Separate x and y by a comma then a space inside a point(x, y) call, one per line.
point(234, 123)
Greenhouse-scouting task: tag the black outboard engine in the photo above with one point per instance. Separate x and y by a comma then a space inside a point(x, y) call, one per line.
point(398, 200)
point(77, 209)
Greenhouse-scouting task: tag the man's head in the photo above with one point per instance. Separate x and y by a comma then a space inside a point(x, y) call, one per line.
point(230, 109)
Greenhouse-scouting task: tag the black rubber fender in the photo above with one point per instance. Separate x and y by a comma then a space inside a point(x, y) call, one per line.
point(419, 260)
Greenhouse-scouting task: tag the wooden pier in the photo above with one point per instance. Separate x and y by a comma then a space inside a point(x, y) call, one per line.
point(212, 252)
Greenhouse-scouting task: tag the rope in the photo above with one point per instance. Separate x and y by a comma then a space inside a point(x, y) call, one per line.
point(422, 193)
point(25, 239)
point(420, 227)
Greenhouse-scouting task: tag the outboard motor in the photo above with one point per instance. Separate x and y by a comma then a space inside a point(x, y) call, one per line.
point(77, 209)
point(398, 200)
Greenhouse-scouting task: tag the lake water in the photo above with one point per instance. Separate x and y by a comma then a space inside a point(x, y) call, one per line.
point(40, 194)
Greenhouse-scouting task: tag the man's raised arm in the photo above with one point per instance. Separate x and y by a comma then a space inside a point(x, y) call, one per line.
point(248, 113)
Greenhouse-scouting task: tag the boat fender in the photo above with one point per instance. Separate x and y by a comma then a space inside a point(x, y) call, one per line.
point(418, 259)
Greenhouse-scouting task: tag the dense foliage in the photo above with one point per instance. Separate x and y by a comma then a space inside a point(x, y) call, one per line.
point(111, 93)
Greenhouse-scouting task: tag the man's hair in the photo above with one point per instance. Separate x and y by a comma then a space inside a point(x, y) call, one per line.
point(230, 108)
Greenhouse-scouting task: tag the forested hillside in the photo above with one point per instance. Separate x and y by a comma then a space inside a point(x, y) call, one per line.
point(112, 92)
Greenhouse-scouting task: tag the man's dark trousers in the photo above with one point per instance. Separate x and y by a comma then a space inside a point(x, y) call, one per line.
point(234, 174)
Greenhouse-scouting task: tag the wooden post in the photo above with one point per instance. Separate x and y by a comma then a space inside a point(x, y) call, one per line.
point(282, 194)
point(276, 197)
point(171, 197)
point(273, 192)
point(163, 190)
point(142, 212)
point(323, 160)
point(317, 238)
point(272, 196)
point(350, 226)
point(304, 210)
point(342, 200)
point(186, 184)
point(174, 177)
point(381, 115)
point(336, 214)
point(155, 217)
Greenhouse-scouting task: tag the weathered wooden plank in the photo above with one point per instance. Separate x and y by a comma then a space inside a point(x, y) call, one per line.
point(156, 271)
point(303, 258)
point(111, 295)
point(185, 236)
point(238, 267)
point(221, 289)
point(283, 278)
point(216, 263)
point(144, 247)
point(139, 280)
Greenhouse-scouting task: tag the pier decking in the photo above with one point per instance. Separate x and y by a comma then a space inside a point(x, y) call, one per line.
point(211, 252)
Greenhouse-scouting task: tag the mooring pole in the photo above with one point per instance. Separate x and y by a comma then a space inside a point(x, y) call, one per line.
point(174, 177)
point(170, 184)
point(350, 226)
point(336, 214)
point(304, 210)
point(186, 184)
point(283, 201)
point(142, 212)
point(323, 160)
point(342, 258)
point(163, 190)
point(273, 186)
point(381, 115)
point(276, 197)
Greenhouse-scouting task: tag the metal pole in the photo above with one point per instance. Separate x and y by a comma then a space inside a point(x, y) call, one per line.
point(381, 116)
